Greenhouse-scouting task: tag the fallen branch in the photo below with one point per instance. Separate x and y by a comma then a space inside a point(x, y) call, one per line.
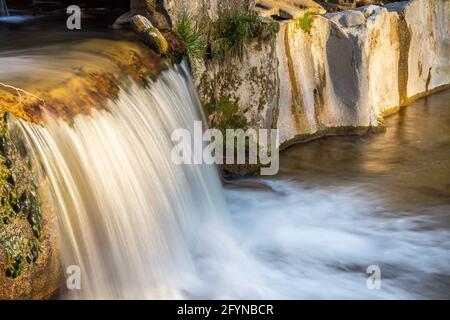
point(19, 92)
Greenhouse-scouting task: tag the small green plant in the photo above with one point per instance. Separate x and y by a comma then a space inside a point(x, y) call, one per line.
point(237, 27)
point(192, 37)
point(225, 114)
point(306, 21)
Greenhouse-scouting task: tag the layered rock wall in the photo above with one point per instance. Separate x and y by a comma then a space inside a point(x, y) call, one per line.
point(346, 72)
point(204, 9)
point(429, 49)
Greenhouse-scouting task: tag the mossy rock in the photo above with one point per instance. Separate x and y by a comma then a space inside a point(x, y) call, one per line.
point(149, 34)
point(177, 46)
point(29, 255)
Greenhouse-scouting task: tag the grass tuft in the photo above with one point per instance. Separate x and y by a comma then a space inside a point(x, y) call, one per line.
point(192, 37)
point(237, 27)
point(306, 21)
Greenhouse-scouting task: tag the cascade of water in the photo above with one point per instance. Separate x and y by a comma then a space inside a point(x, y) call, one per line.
point(128, 216)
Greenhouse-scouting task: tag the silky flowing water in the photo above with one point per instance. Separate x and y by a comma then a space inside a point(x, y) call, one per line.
point(139, 226)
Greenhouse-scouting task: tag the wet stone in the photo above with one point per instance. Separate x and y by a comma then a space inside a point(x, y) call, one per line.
point(32, 219)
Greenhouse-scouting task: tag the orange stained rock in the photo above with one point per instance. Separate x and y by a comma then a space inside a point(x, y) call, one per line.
point(84, 83)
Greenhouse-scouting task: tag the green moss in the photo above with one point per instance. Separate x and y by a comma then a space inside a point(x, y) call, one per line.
point(306, 21)
point(14, 247)
point(192, 37)
point(225, 114)
point(20, 208)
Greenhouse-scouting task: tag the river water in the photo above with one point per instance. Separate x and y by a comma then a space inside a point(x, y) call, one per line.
point(341, 204)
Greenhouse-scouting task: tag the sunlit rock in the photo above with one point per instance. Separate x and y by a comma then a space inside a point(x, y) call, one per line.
point(343, 73)
point(288, 9)
point(429, 44)
point(149, 34)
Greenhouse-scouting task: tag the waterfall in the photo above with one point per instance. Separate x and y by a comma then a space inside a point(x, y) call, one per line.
point(3, 9)
point(140, 227)
point(129, 218)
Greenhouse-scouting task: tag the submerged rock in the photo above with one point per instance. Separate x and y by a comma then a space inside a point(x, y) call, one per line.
point(149, 34)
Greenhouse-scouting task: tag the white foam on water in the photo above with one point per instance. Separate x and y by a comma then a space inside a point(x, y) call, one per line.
point(321, 240)
point(141, 227)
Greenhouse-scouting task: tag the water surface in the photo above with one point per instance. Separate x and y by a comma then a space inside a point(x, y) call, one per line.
point(341, 204)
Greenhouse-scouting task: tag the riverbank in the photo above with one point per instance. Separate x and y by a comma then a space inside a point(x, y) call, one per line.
point(348, 69)
point(312, 73)
point(339, 201)
point(98, 113)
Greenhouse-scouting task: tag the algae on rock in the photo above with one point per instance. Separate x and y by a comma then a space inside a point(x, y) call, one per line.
point(20, 210)
point(30, 266)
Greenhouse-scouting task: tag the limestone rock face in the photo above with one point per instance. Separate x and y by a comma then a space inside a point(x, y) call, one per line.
point(348, 71)
point(369, 10)
point(337, 76)
point(30, 266)
point(429, 46)
point(288, 9)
